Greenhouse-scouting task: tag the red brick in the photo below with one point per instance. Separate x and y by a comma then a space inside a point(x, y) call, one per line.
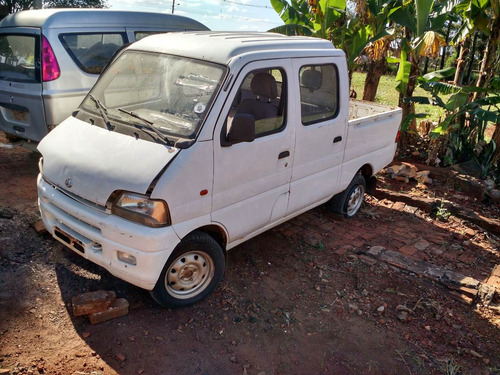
point(117, 309)
point(386, 203)
point(421, 255)
point(398, 206)
point(40, 227)
point(408, 250)
point(467, 291)
point(436, 238)
point(410, 209)
point(494, 280)
point(496, 271)
point(469, 232)
point(450, 254)
point(344, 249)
point(461, 297)
point(367, 260)
point(467, 258)
point(369, 234)
point(92, 302)
point(357, 243)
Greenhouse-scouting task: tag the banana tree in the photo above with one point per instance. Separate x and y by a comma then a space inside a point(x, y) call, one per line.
point(463, 129)
point(323, 19)
point(422, 23)
point(478, 16)
point(311, 18)
point(375, 15)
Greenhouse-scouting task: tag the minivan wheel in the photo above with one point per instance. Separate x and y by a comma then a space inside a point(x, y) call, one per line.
point(192, 272)
point(350, 200)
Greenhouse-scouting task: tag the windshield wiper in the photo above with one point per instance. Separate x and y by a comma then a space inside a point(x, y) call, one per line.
point(148, 125)
point(102, 110)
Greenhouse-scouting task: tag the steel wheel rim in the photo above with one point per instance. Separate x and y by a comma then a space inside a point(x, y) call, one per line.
point(189, 274)
point(355, 200)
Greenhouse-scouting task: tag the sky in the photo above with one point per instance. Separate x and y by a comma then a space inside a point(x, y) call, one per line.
point(218, 15)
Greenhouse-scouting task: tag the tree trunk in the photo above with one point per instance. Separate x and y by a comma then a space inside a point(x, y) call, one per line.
point(426, 66)
point(443, 56)
point(496, 138)
point(375, 70)
point(410, 136)
point(487, 69)
point(459, 73)
point(472, 57)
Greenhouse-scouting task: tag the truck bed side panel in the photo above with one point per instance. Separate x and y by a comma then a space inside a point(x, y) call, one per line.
point(370, 140)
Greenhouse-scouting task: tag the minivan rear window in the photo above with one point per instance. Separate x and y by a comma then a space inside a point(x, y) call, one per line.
point(19, 58)
point(92, 51)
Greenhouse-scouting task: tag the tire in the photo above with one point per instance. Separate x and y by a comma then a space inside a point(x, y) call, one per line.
point(348, 202)
point(192, 272)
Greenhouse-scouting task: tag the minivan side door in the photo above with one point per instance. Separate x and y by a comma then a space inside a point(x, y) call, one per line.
point(320, 131)
point(21, 105)
point(251, 179)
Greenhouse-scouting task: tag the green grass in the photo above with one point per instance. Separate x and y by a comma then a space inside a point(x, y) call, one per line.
point(387, 94)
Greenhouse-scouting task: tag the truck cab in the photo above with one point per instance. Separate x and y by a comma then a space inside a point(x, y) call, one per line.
point(189, 145)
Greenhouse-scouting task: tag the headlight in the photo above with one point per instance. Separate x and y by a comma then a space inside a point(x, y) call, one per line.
point(141, 209)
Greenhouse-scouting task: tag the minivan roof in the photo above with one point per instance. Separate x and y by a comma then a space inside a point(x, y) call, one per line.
point(56, 18)
point(222, 47)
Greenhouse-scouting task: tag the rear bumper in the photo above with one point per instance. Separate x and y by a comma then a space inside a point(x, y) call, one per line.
point(98, 236)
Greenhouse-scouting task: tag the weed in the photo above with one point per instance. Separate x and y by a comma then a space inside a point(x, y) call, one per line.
point(450, 368)
point(320, 246)
point(442, 213)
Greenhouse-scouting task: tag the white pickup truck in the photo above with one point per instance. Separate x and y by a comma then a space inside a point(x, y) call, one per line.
point(190, 144)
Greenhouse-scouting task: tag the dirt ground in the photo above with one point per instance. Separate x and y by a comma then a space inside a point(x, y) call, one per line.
point(298, 299)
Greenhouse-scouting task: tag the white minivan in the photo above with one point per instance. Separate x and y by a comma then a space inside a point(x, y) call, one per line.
point(50, 58)
point(193, 143)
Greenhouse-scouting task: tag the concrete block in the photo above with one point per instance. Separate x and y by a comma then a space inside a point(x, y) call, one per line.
point(457, 279)
point(92, 302)
point(117, 309)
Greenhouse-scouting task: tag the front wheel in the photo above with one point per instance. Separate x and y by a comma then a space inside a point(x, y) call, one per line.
point(349, 201)
point(192, 272)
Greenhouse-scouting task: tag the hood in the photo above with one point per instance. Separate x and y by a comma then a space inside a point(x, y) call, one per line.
point(93, 162)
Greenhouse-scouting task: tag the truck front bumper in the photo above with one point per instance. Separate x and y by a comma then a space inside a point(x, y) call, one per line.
point(101, 237)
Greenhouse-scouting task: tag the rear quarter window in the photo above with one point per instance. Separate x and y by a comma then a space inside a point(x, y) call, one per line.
point(92, 51)
point(19, 58)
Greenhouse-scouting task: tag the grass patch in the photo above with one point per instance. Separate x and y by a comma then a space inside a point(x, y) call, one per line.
point(387, 94)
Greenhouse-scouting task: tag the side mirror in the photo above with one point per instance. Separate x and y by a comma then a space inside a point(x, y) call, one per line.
point(242, 129)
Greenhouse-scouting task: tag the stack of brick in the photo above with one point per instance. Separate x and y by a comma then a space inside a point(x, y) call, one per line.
point(99, 306)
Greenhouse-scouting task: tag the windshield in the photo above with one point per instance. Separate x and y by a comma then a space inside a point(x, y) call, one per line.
point(170, 93)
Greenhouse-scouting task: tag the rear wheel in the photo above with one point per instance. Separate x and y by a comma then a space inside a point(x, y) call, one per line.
point(349, 201)
point(192, 272)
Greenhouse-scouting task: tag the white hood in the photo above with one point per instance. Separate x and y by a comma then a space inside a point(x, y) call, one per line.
point(93, 162)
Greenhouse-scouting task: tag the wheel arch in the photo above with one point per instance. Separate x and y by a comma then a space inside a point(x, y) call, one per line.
point(216, 232)
point(367, 172)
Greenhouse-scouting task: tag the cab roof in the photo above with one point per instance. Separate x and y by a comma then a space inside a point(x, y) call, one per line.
point(222, 47)
point(70, 18)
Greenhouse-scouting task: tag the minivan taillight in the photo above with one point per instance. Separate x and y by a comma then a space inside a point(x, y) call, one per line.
point(50, 67)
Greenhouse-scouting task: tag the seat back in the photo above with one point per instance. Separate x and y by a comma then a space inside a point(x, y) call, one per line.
point(264, 87)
